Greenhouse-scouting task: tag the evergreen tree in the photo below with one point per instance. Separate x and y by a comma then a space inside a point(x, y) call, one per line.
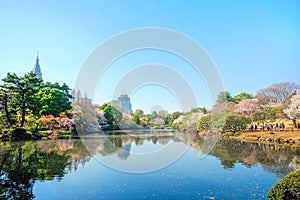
point(22, 93)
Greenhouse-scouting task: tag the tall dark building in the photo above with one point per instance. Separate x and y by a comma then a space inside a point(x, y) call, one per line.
point(37, 69)
point(123, 102)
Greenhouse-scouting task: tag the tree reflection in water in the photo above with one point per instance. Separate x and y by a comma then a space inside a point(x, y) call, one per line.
point(23, 163)
point(276, 159)
point(279, 160)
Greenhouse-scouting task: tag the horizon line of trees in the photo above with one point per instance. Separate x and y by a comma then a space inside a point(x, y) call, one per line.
point(230, 113)
point(27, 101)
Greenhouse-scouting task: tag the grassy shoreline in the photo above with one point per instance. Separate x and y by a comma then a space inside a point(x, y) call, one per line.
point(277, 137)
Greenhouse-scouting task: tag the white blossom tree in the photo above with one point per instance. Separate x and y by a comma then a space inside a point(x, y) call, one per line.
point(293, 110)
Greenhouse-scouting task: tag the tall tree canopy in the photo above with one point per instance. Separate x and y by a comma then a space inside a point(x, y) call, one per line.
point(224, 96)
point(53, 101)
point(21, 91)
point(241, 96)
point(112, 115)
point(27, 95)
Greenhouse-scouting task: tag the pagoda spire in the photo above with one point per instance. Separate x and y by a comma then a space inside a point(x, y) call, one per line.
point(37, 69)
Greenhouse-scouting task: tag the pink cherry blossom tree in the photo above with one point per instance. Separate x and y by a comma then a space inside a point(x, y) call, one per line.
point(247, 107)
point(66, 123)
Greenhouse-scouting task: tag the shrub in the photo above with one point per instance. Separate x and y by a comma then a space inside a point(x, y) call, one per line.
point(205, 123)
point(286, 188)
point(234, 123)
point(20, 133)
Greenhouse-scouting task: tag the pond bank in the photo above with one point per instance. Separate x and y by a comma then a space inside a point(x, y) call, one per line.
point(278, 137)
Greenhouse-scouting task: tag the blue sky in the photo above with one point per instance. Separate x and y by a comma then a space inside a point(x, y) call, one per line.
point(253, 44)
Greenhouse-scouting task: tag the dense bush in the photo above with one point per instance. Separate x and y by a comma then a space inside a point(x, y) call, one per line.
point(214, 122)
point(20, 133)
point(205, 123)
point(234, 123)
point(286, 188)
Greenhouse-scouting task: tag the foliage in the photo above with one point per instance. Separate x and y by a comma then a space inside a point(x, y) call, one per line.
point(260, 116)
point(53, 101)
point(272, 113)
point(20, 133)
point(286, 188)
point(205, 123)
point(263, 115)
point(174, 116)
point(153, 115)
point(4, 99)
point(234, 123)
point(139, 112)
point(23, 99)
point(186, 117)
point(241, 96)
point(177, 122)
point(190, 120)
point(224, 96)
point(112, 115)
point(136, 119)
point(127, 122)
point(103, 106)
point(48, 122)
point(64, 87)
point(199, 109)
point(145, 120)
point(22, 95)
point(65, 134)
point(212, 122)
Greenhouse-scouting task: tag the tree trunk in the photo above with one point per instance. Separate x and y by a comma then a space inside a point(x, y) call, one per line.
point(6, 110)
point(23, 110)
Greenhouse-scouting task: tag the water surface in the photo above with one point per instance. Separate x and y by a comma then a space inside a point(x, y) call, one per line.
point(64, 169)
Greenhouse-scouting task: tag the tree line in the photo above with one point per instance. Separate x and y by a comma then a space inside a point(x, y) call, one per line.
point(26, 99)
point(43, 107)
point(229, 113)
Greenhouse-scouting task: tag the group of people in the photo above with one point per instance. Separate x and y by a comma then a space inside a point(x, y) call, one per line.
point(268, 127)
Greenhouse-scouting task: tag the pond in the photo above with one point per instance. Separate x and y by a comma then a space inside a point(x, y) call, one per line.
point(102, 167)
